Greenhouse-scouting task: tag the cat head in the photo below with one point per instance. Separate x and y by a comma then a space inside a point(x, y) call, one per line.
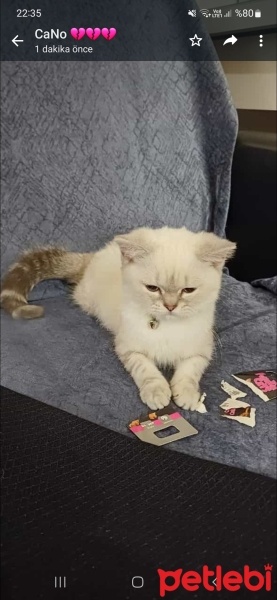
point(172, 272)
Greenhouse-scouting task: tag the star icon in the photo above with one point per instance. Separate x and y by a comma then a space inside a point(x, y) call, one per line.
point(195, 41)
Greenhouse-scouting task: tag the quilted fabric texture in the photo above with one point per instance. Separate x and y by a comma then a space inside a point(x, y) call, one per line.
point(270, 283)
point(91, 150)
point(95, 149)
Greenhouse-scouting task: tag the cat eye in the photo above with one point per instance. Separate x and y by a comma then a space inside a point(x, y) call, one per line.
point(152, 288)
point(188, 290)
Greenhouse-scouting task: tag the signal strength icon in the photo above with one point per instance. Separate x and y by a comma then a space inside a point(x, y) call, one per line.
point(228, 13)
point(205, 12)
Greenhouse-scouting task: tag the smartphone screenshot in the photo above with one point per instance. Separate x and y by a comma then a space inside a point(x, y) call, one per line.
point(138, 299)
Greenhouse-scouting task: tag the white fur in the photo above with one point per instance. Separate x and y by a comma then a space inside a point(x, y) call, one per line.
point(113, 290)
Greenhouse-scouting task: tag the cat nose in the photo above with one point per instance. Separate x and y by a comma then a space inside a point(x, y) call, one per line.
point(170, 307)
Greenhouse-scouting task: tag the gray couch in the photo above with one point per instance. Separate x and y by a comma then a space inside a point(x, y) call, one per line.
point(95, 149)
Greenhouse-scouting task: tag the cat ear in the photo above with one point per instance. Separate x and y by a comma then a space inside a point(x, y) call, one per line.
point(132, 247)
point(214, 250)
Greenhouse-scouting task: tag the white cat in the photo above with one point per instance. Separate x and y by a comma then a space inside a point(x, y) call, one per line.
point(154, 289)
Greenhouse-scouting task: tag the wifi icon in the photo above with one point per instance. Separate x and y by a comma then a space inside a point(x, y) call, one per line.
point(205, 12)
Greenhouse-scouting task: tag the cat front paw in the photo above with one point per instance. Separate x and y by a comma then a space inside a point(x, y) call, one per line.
point(156, 393)
point(186, 395)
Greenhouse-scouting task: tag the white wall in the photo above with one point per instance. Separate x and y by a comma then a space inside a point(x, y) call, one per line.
point(252, 84)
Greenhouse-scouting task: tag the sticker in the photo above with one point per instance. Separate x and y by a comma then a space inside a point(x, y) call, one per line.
point(166, 420)
point(262, 383)
point(232, 391)
point(239, 411)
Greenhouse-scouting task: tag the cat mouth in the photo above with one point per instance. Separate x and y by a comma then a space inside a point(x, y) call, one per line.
point(170, 315)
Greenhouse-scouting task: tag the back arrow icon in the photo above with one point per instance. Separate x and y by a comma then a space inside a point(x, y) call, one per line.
point(232, 40)
point(15, 41)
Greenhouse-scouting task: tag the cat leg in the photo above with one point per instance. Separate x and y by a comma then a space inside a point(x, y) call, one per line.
point(185, 381)
point(153, 388)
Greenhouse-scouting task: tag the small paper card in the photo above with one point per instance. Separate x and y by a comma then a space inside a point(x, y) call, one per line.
point(166, 420)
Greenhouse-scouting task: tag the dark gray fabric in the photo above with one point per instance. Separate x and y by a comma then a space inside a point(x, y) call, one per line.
point(269, 283)
point(95, 149)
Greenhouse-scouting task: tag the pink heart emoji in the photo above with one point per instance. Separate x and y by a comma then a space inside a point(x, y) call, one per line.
point(77, 34)
point(93, 34)
point(108, 33)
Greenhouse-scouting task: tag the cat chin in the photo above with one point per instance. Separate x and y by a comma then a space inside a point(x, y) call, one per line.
point(169, 316)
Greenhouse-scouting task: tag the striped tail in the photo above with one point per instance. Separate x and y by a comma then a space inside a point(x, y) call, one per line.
point(35, 266)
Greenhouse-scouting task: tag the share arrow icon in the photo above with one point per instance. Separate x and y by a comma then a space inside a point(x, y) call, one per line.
point(232, 40)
